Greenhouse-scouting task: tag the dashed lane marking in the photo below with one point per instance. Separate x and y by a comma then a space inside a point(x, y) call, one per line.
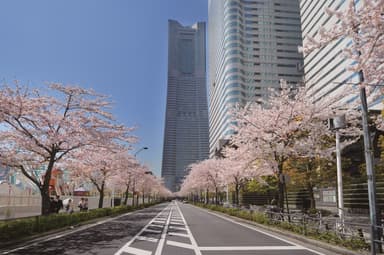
point(181, 245)
point(149, 239)
point(177, 234)
point(136, 251)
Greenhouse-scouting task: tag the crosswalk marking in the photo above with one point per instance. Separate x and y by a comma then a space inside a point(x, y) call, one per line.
point(178, 228)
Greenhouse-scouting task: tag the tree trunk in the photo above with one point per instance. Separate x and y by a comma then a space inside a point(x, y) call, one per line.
point(280, 198)
point(45, 202)
point(216, 198)
point(137, 199)
point(237, 192)
point(143, 198)
point(101, 197)
point(44, 189)
point(126, 195)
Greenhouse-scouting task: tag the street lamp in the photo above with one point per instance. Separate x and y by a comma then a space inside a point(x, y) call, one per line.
point(337, 123)
point(139, 150)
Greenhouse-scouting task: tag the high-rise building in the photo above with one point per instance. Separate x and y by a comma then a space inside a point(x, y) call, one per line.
point(186, 138)
point(326, 73)
point(252, 45)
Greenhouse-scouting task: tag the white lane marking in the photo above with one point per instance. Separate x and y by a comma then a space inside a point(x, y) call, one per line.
point(160, 246)
point(250, 248)
point(177, 223)
point(126, 246)
point(137, 251)
point(158, 221)
point(182, 245)
point(156, 226)
point(149, 239)
point(177, 234)
point(152, 231)
point(178, 228)
point(193, 241)
point(260, 231)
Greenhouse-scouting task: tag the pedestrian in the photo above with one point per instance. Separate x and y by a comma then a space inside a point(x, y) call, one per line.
point(85, 204)
point(59, 204)
point(69, 206)
point(81, 204)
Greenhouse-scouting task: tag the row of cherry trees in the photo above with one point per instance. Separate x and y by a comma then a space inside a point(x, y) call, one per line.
point(68, 127)
point(289, 124)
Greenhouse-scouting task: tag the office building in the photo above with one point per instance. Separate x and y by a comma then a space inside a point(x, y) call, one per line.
point(186, 122)
point(252, 45)
point(326, 73)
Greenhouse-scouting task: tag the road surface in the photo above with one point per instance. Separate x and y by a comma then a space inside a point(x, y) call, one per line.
point(167, 229)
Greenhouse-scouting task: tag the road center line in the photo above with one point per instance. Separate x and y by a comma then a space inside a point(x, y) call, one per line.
point(160, 246)
point(193, 241)
point(126, 246)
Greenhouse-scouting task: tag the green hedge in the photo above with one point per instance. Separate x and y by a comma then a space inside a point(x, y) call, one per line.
point(12, 230)
point(353, 243)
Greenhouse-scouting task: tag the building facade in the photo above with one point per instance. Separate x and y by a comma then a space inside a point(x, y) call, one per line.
point(326, 73)
point(252, 45)
point(186, 138)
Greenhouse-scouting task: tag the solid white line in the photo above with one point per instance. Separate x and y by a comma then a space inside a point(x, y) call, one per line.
point(126, 246)
point(160, 246)
point(260, 231)
point(177, 234)
point(193, 241)
point(179, 244)
point(250, 248)
point(137, 251)
point(149, 239)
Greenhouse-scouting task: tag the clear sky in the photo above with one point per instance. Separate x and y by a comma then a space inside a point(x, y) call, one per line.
point(117, 47)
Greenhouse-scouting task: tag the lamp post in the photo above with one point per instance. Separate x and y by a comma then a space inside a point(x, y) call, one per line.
point(139, 150)
point(338, 123)
point(134, 181)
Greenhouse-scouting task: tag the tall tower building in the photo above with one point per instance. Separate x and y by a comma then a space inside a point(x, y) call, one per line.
point(186, 137)
point(252, 45)
point(325, 69)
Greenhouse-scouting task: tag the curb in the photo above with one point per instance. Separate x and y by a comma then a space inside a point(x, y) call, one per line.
point(284, 233)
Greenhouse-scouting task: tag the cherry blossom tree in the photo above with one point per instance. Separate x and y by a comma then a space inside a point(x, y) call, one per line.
point(269, 131)
point(364, 25)
point(38, 131)
point(237, 169)
point(204, 175)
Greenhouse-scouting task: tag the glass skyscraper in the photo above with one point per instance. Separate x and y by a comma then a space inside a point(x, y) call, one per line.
point(252, 45)
point(186, 138)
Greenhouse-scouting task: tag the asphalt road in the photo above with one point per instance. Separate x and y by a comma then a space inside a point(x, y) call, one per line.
point(172, 228)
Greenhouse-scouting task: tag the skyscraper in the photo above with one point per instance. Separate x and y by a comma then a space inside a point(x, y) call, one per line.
point(252, 45)
point(186, 122)
point(325, 69)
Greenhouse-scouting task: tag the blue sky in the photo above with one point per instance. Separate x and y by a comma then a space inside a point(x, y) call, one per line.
point(117, 47)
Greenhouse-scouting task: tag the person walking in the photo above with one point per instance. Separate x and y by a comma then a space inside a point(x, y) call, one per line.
point(81, 204)
point(69, 207)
